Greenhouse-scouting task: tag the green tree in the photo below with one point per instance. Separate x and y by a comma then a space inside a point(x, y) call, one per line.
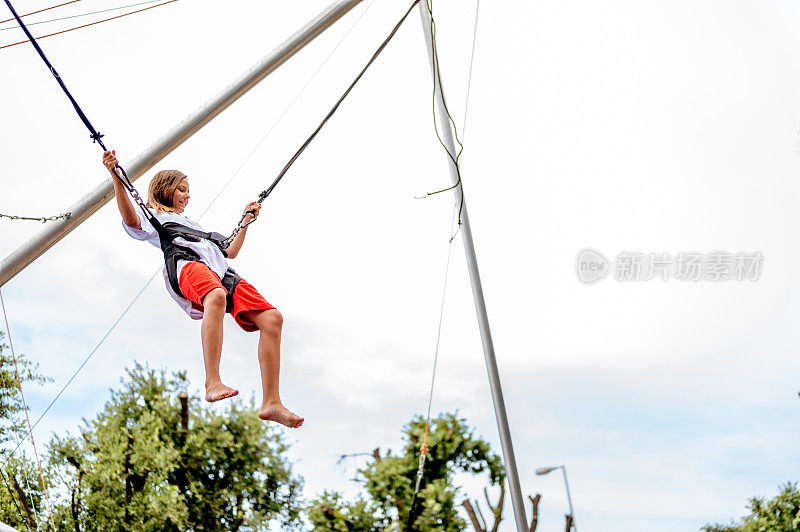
point(21, 494)
point(14, 424)
point(781, 514)
point(238, 477)
point(389, 482)
point(134, 468)
point(22, 499)
point(330, 513)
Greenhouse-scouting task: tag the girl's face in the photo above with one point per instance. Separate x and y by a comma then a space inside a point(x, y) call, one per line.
point(180, 199)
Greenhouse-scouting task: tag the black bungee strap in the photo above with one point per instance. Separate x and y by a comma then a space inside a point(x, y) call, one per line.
point(174, 229)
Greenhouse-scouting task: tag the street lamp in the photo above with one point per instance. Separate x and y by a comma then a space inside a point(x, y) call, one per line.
point(545, 470)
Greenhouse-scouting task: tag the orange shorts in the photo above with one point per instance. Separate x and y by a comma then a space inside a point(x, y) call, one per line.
point(197, 280)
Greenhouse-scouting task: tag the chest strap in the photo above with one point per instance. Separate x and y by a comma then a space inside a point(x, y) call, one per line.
point(173, 252)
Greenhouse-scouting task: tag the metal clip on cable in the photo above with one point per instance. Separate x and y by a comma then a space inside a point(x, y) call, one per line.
point(228, 241)
point(255, 216)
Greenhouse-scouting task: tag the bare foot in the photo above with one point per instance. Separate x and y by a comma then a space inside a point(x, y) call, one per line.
point(280, 414)
point(218, 392)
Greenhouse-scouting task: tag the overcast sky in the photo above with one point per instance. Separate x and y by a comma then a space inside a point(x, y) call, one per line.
point(639, 126)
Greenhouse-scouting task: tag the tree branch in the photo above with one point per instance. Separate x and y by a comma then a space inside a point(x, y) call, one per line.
point(483, 520)
point(21, 495)
point(75, 505)
point(128, 480)
point(472, 517)
point(496, 510)
point(535, 511)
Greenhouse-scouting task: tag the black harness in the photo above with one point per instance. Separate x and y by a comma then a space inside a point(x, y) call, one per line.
point(173, 252)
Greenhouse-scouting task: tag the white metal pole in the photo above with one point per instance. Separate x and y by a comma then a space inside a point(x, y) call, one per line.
point(477, 292)
point(102, 194)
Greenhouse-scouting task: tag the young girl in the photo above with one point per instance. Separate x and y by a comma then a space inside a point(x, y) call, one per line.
point(207, 286)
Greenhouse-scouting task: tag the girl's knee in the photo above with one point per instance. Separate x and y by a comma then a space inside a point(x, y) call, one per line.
point(271, 322)
point(216, 298)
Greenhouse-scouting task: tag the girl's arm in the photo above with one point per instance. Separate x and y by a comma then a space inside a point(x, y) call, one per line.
point(125, 206)
point(236, 245)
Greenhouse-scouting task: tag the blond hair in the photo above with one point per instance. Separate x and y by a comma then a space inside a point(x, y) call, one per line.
point(162, 188)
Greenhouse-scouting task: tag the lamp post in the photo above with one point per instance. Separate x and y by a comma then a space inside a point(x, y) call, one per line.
point(545, 470)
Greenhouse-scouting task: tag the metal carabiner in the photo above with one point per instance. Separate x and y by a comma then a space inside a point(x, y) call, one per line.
point(255, 217)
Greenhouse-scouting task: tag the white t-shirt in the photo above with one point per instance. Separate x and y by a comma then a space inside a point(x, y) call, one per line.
point(209, 253)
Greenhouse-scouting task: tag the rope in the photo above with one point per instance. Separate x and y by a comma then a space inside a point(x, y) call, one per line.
point(42, 219)
point(80, 14)
point(30, 37)
point(40, 11)
point(27, 417)
point(469, 78)
point(437, 80)
point(424, 449)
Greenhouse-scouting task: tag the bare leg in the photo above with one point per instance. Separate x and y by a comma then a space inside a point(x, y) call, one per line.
point(211, 333)
point(269, 323)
